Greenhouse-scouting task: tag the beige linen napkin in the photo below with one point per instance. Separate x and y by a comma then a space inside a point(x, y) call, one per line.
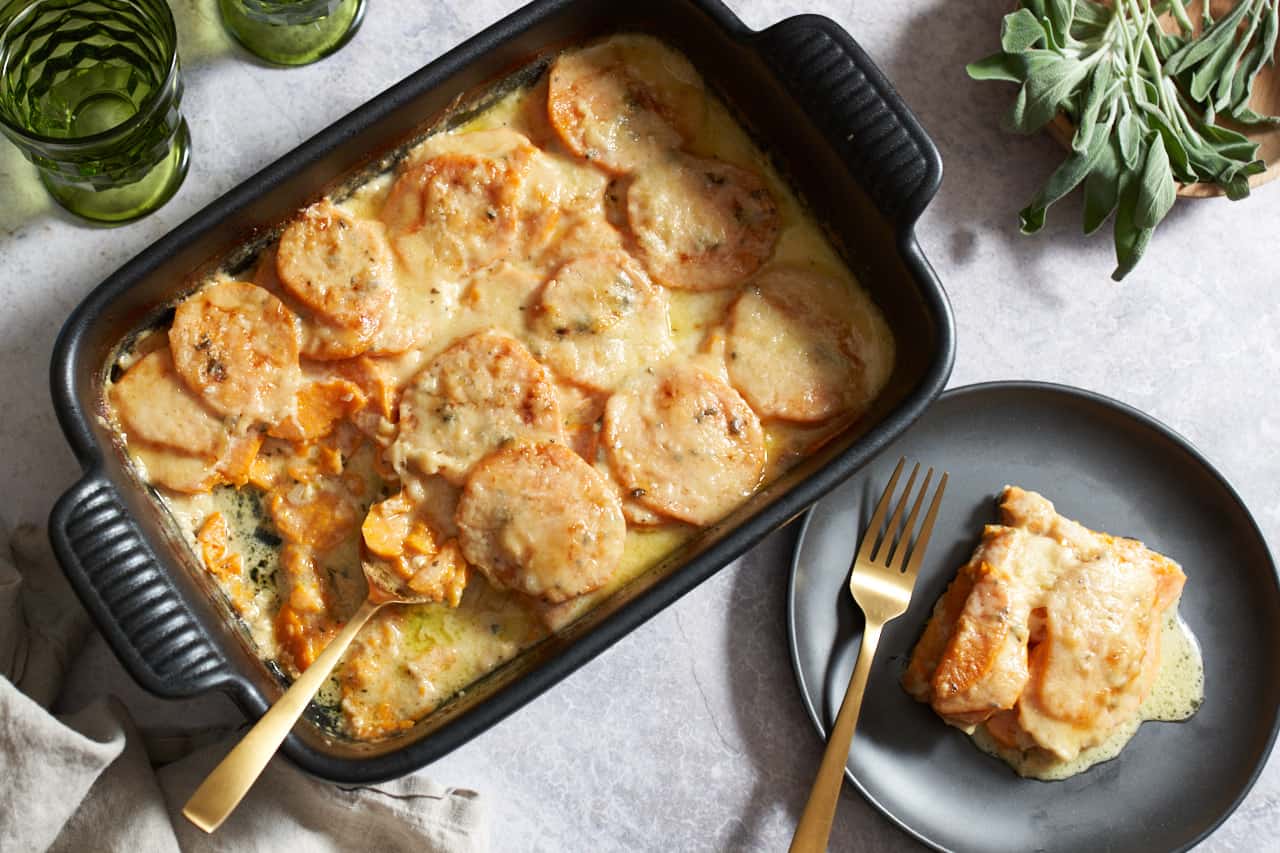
point(84, 781)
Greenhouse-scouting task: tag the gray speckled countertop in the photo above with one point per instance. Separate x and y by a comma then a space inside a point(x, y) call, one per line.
point(690, 734)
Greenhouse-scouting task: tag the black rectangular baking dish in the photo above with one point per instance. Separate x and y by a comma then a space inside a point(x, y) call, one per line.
point(811, 97)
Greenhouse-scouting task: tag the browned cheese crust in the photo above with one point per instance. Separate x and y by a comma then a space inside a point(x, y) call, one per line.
point(624, 102)
point(236, 346)
point(482, 392)
point(684, 444)
point(538, 519)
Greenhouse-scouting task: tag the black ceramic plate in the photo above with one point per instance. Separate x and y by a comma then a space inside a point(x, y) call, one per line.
point(1114, 469)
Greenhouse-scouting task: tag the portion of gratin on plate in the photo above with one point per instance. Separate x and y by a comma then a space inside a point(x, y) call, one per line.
point(519, 368)
point(1054, 643)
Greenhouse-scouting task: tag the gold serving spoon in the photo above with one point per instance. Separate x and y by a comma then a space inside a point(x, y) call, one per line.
point(224, 788)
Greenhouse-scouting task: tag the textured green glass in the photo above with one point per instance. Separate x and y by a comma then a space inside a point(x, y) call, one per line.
point(292, 32)
point(90, 92)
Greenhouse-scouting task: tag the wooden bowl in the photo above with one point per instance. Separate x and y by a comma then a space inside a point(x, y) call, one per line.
point(1265, 101)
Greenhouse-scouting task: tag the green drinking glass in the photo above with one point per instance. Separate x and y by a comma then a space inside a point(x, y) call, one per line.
point(89, 91)
point(292, 32)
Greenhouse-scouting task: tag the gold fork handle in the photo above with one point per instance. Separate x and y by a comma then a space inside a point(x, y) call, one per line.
point(226, 786)
point(815, 824)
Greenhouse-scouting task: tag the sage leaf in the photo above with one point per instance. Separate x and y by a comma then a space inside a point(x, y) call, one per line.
point(1230, 143)
point(998, 66)
point(1091, 13)
point(1210, 40)
point(1130, 139)
point(1236, 187)
point(1017, 112)
point(1050, 80)
point(1167, 44)
point(1266, 44)
point(1131, 240)
point(1089, 20)
point(1179, 157)
point(1020, 32)
point(1222, 87)
point(1060, 14)
point(1244, 115)
point(1099, 87)
point(1064, 179)
point(1040, 8)
point(1261, 54)
point(1241, 82)
point(1148, 93)
point(1156, 189)
point(1212, 167)
point(1102, 187)
point(1208, 74)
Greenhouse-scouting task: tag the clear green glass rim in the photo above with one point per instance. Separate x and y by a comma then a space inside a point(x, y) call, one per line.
point(353, 27)
point(122, 130)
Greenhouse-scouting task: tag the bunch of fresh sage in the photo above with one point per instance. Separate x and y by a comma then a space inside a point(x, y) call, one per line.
point(1144, 103)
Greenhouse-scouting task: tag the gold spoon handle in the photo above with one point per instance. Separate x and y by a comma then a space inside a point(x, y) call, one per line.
point(815, 824)
point(226, 786)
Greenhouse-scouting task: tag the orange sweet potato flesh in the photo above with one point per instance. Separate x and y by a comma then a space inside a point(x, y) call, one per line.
point(374, 381)
point(300, 638)
point(444, 576)
point(320, 520)
point(236, 465)
point(421, 540)
point(984, 667)
point(924, 661)
point(320, 406)
point(219, 559)
point(387, 526)
point(302, 625)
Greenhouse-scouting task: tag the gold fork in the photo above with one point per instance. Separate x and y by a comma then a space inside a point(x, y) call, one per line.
point(881, 585)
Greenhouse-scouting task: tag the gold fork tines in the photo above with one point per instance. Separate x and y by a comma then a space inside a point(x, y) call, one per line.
point(884, 573)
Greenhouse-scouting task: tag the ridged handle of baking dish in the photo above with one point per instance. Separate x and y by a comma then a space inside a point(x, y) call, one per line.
point(130, 597)
point(852, 102)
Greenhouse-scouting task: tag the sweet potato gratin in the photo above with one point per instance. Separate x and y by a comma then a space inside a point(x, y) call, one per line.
point(1054, 643)
point(521, 367)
